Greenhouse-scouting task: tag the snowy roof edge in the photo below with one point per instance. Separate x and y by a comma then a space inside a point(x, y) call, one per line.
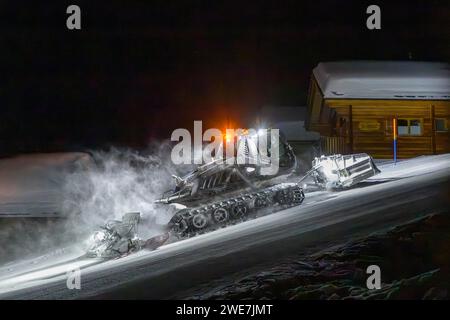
point(399, 80)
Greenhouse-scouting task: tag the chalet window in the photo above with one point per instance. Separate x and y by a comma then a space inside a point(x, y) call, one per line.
point(440, 125)
point(409, 127)
point(415, 127)
point(402, 125)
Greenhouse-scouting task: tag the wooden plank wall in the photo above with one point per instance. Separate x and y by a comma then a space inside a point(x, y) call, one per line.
point(333, 145)
point(379, 143)
point(442, 138)
point(377, 115)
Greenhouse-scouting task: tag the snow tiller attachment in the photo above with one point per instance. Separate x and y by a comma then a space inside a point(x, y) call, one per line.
point(341, 171)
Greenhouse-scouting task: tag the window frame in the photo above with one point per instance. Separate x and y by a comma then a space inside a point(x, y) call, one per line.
point(409, 127)
point(445, 125)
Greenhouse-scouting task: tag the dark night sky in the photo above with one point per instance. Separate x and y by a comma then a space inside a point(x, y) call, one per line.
point(139, 69)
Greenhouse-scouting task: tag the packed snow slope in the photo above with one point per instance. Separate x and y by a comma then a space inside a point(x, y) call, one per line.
point(400, 193)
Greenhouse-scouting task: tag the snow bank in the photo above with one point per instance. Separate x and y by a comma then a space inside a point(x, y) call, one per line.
point(32, 185)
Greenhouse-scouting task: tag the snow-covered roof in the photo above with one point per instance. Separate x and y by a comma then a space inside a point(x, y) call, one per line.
point(295, 131)
point(384, 80)
point(270, 113)
point(290, 120)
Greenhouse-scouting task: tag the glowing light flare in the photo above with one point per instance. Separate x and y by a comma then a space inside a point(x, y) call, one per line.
point(228, 137)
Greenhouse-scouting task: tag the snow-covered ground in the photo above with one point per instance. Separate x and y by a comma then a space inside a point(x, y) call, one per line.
point(400, 193)
point(31, 185)
point(411, 167)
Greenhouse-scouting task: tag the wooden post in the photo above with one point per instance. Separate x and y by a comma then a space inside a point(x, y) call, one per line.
point(433, 130)
point(350, 119)
point(394, 138)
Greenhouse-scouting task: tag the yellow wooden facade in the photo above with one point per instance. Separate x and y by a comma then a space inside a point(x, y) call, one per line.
point(366, 125)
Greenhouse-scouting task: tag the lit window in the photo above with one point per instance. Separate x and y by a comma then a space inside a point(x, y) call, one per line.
point(415, 128)
point(409, 127)
point(441, 125)
point(402, 126)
